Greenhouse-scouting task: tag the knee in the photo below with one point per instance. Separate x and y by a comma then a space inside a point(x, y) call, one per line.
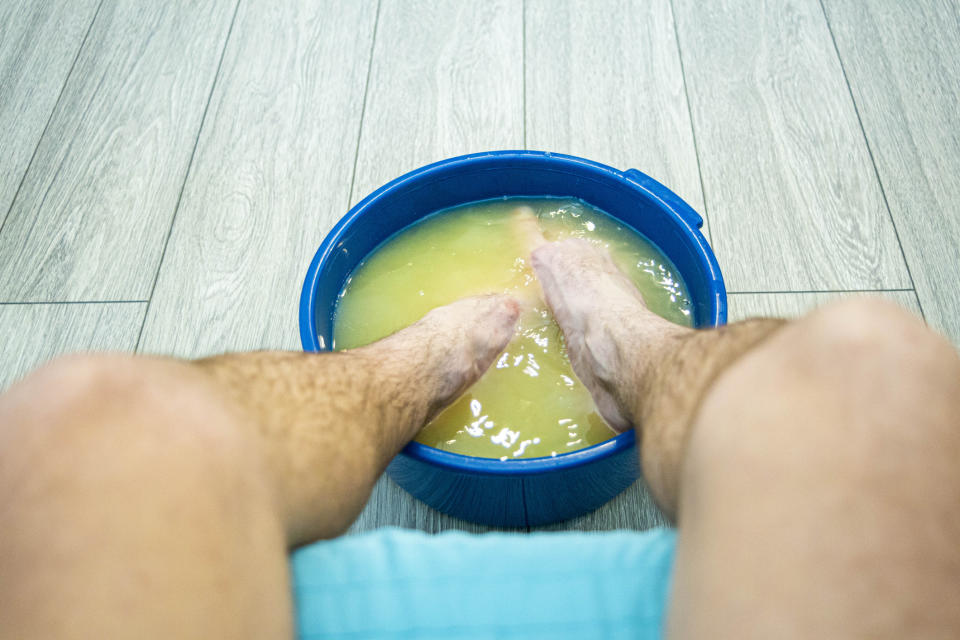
point(85, 375)
point(873, 363)
point(870, 332)
point(860, 373)
point(93, 402)
point(96, 423)
point(79, 386)
point(870, 320)
point(861, 360)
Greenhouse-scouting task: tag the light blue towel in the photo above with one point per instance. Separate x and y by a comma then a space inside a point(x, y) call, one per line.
point(395, 583)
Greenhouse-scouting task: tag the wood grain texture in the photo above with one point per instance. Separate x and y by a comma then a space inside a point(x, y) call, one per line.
point(794, 305)
point(446, 79)
point(38, 332)
point(793, 199)
point(903, 64)
point(270, 177)
point(604, 81)
point(90, 220)
point(39, 42)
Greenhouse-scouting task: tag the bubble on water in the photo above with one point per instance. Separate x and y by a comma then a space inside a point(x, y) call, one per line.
point(541, 340)
point(505, 438)
point(533, 367)
point(522, 448)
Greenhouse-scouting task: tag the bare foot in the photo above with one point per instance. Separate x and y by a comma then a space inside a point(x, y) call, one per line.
point(527, 228)
point(460, 340)
point(609, 332)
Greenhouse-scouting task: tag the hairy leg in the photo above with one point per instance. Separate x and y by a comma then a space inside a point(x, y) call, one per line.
point(811, 466)
point(154, 498)
point(329, 425)
point(641, 369)
point(820, 492)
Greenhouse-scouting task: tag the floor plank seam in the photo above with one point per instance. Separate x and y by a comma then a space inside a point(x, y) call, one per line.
point(744, 293)
point(873, 162)
point(919, 306)
point(186, 174)
point(56, 103)
point(363, 106)
point(693, 129)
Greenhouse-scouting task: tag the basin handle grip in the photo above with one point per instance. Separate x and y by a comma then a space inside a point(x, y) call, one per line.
point(674, 201)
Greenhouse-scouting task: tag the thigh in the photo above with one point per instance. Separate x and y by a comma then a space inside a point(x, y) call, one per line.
point(820, 489)
point(131, 506)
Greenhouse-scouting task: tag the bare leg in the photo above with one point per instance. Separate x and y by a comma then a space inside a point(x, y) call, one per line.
point(641, 369)
point(364, 405)
point(811, 466)
point(153, 498)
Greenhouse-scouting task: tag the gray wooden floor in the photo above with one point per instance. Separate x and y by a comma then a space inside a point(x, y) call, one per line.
point(167, 169)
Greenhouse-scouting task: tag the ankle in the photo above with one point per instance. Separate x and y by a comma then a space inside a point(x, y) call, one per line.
point(647, 340)
point(623, 350)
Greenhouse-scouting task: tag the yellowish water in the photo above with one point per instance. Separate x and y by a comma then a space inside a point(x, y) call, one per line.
point(529, 403)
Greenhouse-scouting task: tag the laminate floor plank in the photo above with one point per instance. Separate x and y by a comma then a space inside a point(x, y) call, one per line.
point(903, 64)
point(793, 198)
point(94, 211)
point(604, 81)
point(270, 178)
point(446, 79)
point(38, 47)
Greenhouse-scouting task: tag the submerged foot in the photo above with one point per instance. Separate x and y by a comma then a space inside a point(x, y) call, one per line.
point(461, 340)
point(526, 226)
point(609, 332)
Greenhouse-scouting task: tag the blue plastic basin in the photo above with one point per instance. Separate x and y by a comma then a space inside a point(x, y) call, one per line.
point(513, 493)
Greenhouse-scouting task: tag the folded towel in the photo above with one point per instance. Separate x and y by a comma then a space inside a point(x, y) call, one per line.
point(396, 583)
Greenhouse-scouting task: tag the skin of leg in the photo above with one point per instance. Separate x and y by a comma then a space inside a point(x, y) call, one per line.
point(820, 492)
point(155, 498)
point(370, 402)
point(641, 370)
point(811, 466)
